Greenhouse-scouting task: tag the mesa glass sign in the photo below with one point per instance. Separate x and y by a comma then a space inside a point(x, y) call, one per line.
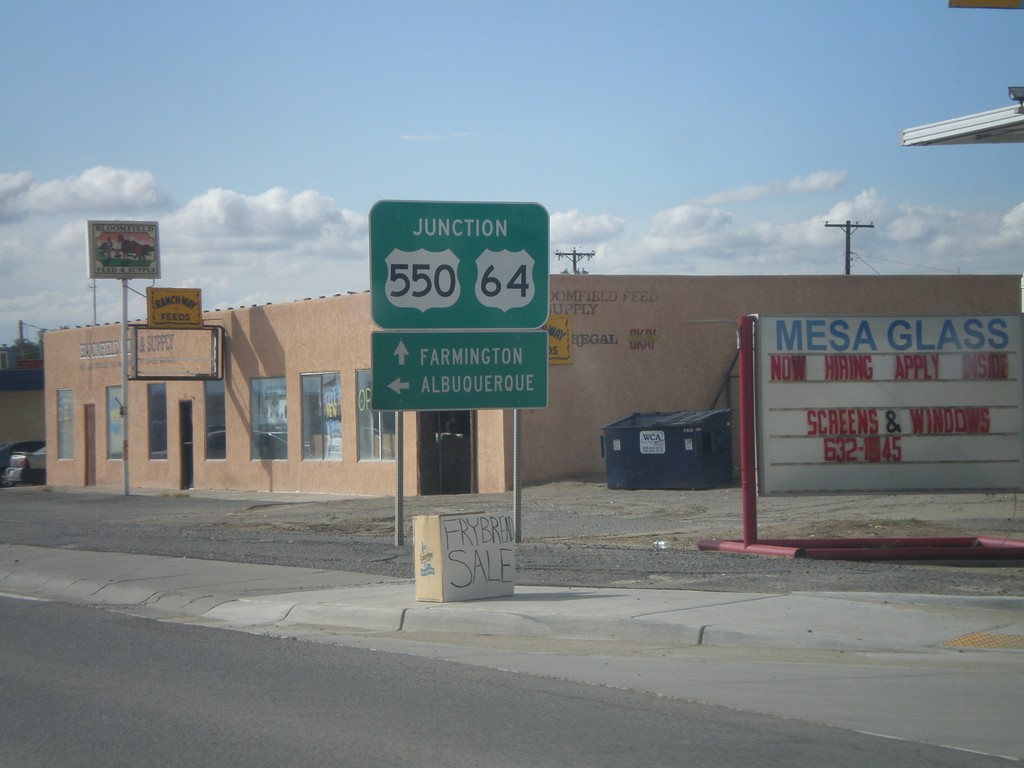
point(890, 404)
point(458, 265)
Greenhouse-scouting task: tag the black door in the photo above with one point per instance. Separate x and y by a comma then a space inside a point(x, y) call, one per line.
point(446, 452)
point(185, 428)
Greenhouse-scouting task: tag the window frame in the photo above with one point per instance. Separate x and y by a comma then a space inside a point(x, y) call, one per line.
point(378, 425)
point(321, 416)
point(115, 423)
point(65, 423)
point(210, 416)
point(268, 408)
point(156, 420)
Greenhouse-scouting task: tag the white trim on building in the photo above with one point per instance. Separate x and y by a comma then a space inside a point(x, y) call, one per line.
point(997, 126)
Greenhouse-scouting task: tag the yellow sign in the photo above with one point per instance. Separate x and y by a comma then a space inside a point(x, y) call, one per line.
point(559, 328)
point(175, 307)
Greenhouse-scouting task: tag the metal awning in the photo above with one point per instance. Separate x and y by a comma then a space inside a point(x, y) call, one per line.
point(999, 126)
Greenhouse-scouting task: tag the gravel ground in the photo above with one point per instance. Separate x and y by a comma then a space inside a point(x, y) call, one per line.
point(575, 533)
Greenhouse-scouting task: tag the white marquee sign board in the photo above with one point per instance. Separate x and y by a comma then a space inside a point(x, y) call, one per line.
point(890, 404)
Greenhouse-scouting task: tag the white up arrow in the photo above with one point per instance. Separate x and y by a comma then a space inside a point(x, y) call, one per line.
point(401, 352)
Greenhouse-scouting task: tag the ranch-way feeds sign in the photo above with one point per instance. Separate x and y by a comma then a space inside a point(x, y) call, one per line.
point(890, 404)
point(466, 556)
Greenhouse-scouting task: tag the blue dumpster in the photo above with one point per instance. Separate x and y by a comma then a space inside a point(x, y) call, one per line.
point(682, 449)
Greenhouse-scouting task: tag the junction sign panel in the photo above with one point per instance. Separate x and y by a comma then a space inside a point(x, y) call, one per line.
point(462, 288)
point(440, 265)
point(890, 404)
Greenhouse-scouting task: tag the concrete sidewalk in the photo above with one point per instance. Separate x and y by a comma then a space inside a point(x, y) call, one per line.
point(266, 597)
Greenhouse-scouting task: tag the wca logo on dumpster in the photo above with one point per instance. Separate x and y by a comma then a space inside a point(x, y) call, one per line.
point(652, 441)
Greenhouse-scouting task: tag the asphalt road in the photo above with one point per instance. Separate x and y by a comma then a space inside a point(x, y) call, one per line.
point(85, 687)
point(575, 533)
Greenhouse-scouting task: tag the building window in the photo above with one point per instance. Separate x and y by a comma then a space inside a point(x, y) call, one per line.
point(269, 408)
point(65, 424)
point(115, 424)
point(157, 396)
point(216, 445)
point(376, 428)
point(321, 416)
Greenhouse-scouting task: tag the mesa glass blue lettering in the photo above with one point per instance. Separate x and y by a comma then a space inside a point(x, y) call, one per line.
point(948, 337)
point(998, 336)
point(789, 336)
point(840, 338)
point(899, 335)
point(816, 335)
point(974, 336)
point(865, 338)
point(919, 335)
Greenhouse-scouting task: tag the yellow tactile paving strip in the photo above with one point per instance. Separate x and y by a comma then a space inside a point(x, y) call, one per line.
point(988, 640)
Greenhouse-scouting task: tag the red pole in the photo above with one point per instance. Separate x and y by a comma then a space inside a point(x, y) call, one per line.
point(748, 477)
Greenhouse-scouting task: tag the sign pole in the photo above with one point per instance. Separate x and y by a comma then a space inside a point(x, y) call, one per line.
point(748, 467)
point(517, 488)
point(124, 384)
point(399, 479)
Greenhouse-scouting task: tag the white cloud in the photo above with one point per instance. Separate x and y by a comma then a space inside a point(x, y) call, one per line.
point(574, 228)
point(820, 181)
point(225, 226)
point(279, 246)
point(95, 190)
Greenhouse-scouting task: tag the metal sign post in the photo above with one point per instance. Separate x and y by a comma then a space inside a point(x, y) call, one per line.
point(123, 250)
point(124, 385)
point(479, 271)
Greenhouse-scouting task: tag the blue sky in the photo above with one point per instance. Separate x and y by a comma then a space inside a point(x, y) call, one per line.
point(675, 137)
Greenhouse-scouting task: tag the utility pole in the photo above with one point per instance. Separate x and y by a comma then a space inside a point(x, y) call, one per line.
point(849, 228)
point(575, 257)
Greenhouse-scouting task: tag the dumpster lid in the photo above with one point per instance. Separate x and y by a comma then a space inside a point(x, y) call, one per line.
point(670, 418)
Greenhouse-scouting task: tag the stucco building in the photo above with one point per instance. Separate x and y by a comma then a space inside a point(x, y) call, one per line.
point(293, 413)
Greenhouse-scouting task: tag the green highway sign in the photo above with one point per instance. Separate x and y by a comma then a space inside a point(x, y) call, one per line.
point(433, 371)
point(458, 265)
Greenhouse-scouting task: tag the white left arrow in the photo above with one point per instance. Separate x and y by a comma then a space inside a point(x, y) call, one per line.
point(401, 352)
point(398, 385)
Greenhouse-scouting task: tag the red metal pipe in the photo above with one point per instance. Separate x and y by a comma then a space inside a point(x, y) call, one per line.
point(957, 548)
point(995, 541)
point(739, 547)
point(748, 477)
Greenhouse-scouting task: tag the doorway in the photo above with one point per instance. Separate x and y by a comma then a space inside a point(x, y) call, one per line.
point(186, 452)
point(447, 452)
point(90, 444)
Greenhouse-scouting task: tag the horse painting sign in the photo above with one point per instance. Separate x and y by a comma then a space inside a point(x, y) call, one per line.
point(124, 249)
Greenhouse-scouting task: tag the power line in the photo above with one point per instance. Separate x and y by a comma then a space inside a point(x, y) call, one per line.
point(909, 264)
point(849, 228)
point(575, 257)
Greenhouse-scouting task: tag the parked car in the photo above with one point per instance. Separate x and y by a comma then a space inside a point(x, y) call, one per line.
point(27, 468)
point(17, 446)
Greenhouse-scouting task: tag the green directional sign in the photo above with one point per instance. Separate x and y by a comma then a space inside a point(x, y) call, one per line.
point(433, 371)
point(457, 265)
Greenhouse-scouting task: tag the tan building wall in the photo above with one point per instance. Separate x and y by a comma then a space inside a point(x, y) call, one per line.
point(637, 344)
